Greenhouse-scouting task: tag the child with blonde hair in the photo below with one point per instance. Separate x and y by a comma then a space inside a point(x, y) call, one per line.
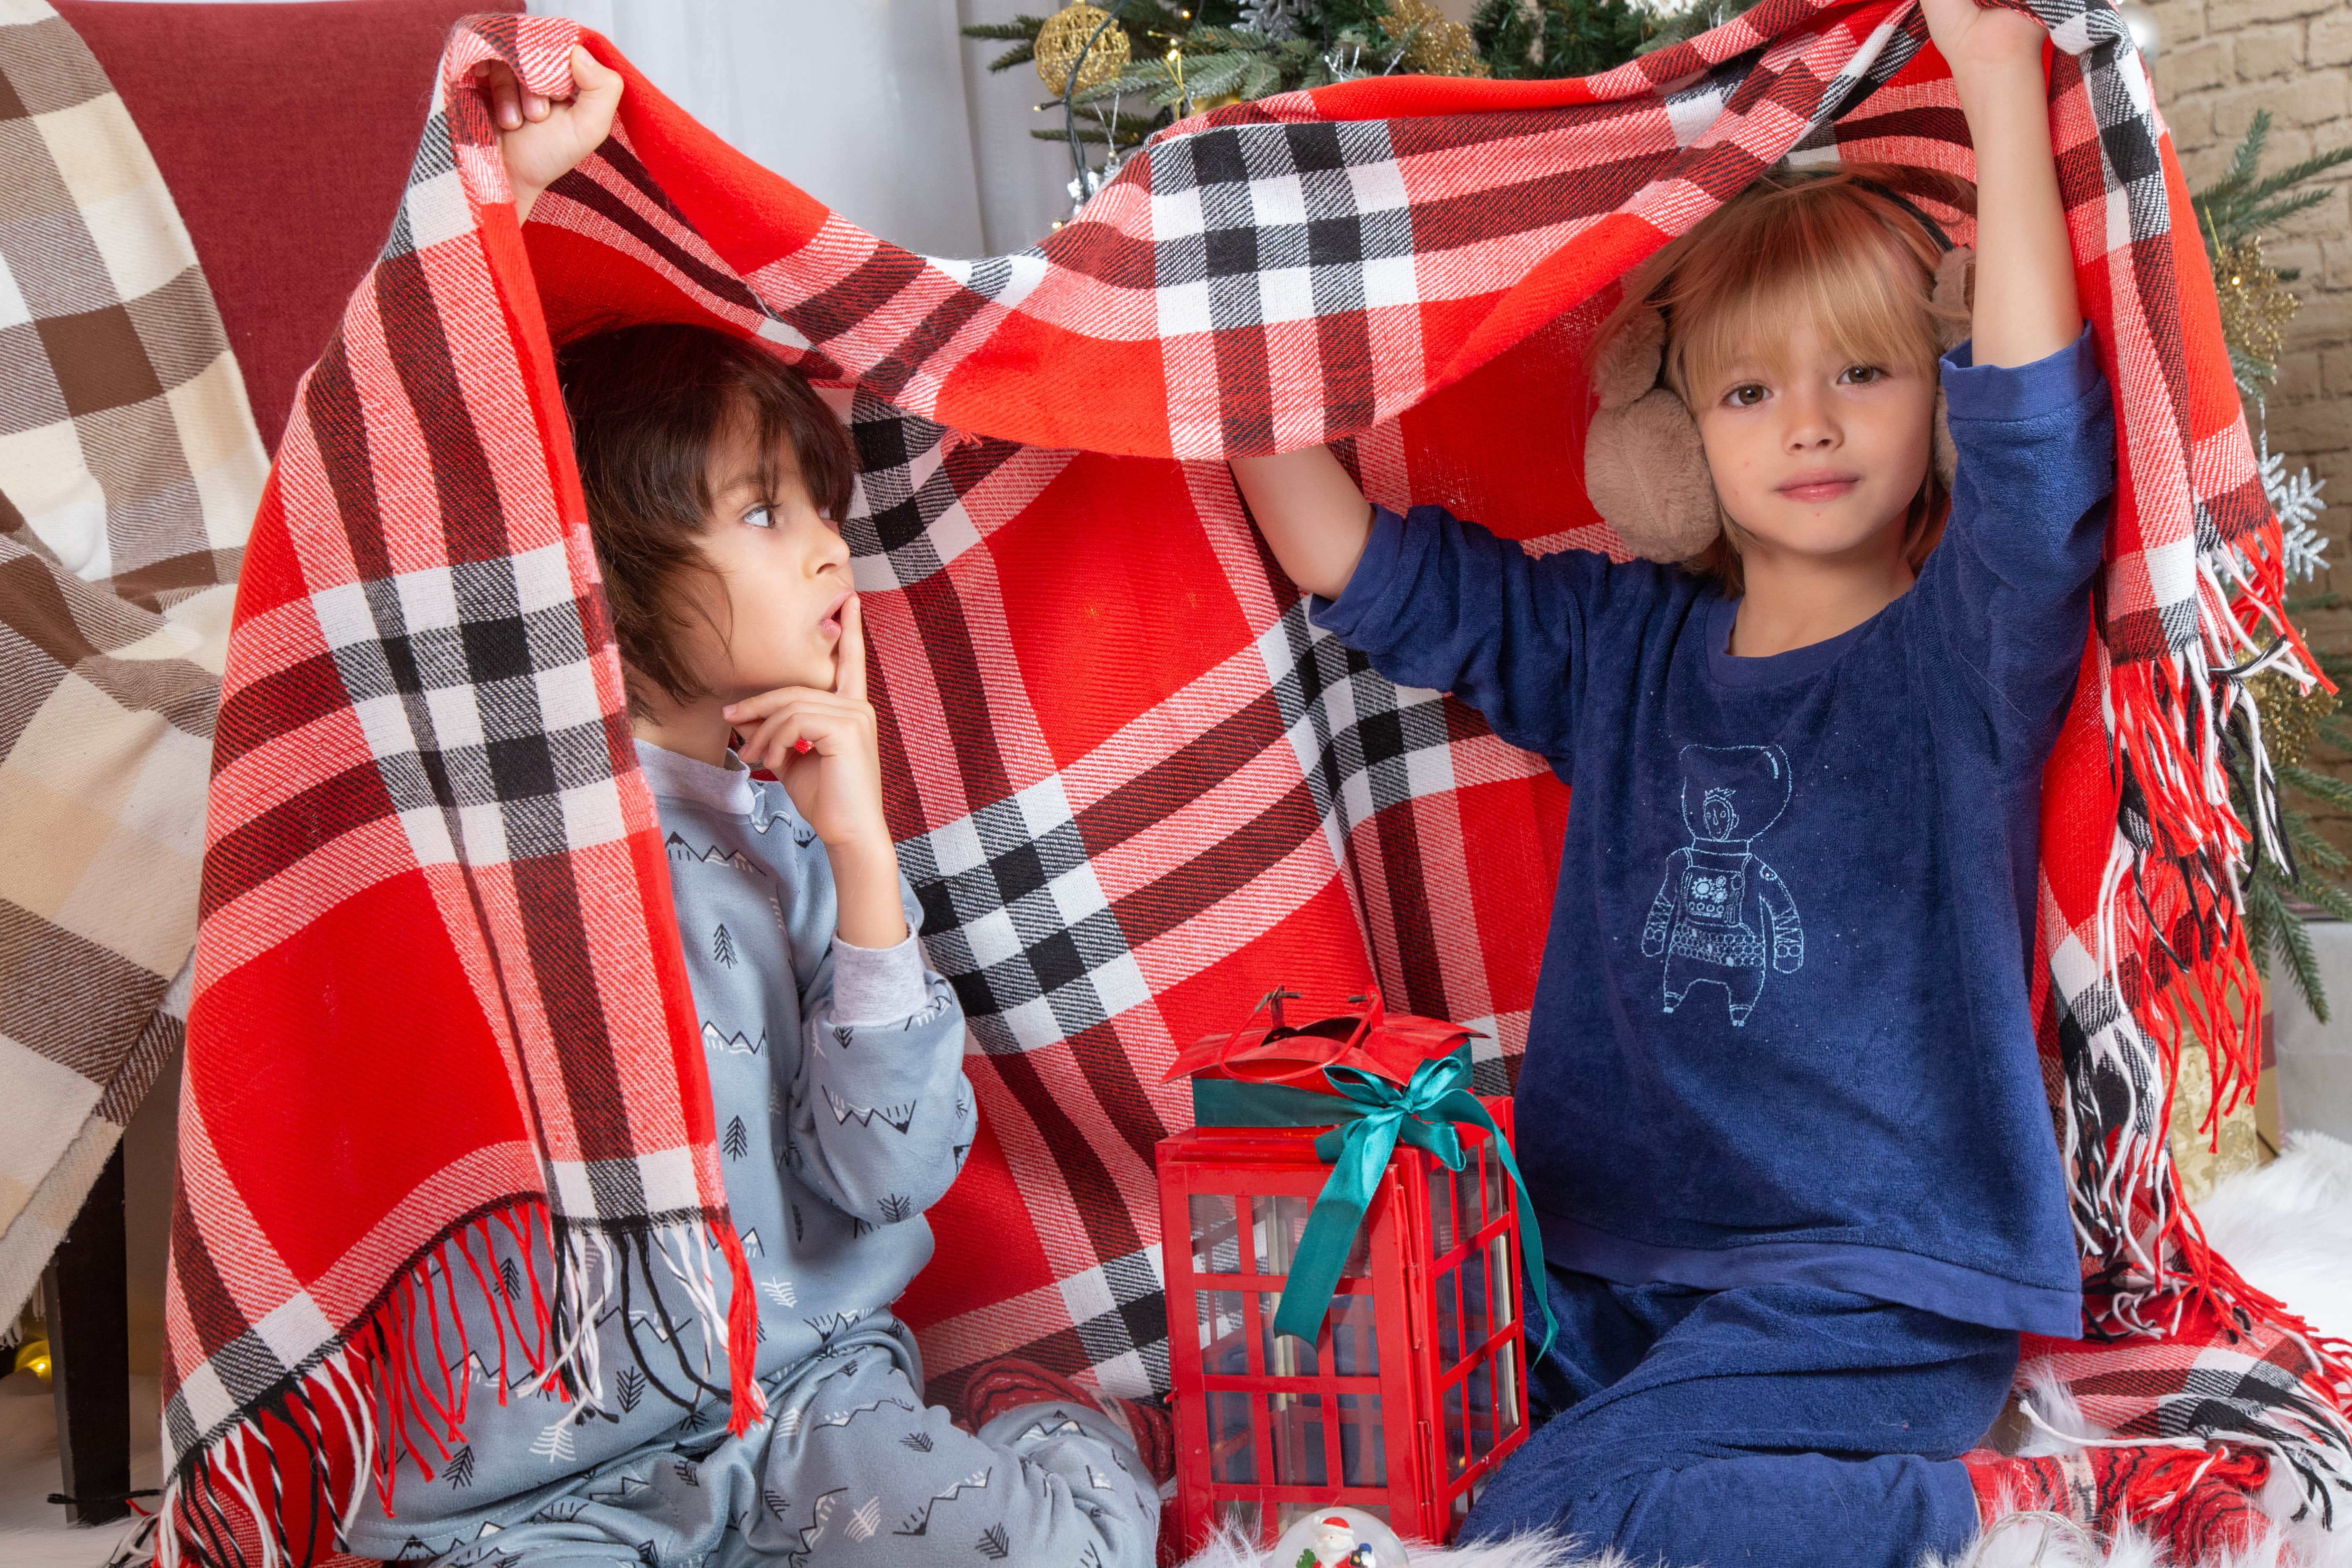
point(1781, 1112)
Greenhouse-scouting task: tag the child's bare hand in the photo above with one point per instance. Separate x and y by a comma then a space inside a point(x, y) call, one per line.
point(836, 780)
point(543, 138)
point(1974, 38)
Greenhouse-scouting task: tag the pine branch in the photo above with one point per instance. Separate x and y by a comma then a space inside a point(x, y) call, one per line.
point(2238, 205)
point(1141, 78)
point(2303, 604)
point(1021, 32)
point(2294, 175)
point(2276, 212)
point(1123, 138)
point(2315, 853)
point(1212, 76)
point(1222, 41)
point(2250, 373)
point(1024, 27)
point(2336, 792)
point(2330, 898)
point(2248, 158)
point(2275, 930)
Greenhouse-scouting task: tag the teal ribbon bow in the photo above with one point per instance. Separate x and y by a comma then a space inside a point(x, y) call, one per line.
point(1373, 1115)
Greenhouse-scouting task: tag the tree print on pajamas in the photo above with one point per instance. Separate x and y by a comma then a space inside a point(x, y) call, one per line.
point(836, 1134)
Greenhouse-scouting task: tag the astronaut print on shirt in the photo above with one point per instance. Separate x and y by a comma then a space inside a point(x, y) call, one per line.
point(1721, 908)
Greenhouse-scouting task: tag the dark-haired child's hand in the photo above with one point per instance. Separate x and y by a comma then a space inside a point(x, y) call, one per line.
point(825, 748)
point(544, 139)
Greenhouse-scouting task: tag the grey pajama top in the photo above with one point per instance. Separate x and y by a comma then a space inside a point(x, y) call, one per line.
point(843, 1113)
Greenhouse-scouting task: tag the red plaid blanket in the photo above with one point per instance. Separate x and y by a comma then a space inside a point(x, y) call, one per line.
point(437, 987)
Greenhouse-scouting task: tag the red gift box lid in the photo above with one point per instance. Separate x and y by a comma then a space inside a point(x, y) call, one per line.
point(1375, 1041)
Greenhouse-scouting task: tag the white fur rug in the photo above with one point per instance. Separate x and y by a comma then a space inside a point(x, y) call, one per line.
point(2288, 1227)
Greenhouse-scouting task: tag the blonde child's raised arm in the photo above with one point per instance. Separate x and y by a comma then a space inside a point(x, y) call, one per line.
point(1313, 518)
point(2025, 307)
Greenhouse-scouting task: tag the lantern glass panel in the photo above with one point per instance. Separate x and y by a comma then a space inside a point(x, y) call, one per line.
point(1501, 1277)
point(1216, 1235)
point(1473, 1299)
point(1441, 1236)
point(1479, 1391)
point(1295, 1423)
point(1466, 1216)
point(1224, 1350)
point(1449, 1320)
point(1507, 1387)
point(1355, 1336)
point(1457, 1433)
point(1499, 1185)
point(1276, 1224)
point(1363, 1442)
point(1233, 1449)
point(1284, 1355)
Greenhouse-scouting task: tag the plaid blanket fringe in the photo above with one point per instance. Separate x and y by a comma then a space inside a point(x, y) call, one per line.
point(423, 748)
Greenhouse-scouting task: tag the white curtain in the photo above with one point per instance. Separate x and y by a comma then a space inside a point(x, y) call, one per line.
point(1023, 182)
point(878, 108)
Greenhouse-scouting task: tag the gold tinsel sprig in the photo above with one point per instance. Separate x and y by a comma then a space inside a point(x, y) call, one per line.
point(2255, 304)
point(1439, 46)
point(2291, 716)
point(1066, 33)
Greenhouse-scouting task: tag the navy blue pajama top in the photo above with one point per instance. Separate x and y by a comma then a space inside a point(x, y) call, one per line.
point(1781, 1033)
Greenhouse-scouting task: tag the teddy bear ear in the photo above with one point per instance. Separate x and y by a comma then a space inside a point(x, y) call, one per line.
point(1646, 473)
point(1627, 365)
point(1955, 278)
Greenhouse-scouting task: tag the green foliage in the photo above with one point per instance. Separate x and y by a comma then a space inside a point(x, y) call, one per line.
point(1022, 30)
point(2244, 202)
point(1689, 21)
point(1563, 38)
point(2274, 932)
point(2239, 206)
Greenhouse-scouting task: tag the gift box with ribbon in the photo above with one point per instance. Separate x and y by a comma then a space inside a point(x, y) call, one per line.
point(1342, 1230)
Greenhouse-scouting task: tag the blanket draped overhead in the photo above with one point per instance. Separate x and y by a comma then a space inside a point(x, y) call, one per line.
point(438, 990)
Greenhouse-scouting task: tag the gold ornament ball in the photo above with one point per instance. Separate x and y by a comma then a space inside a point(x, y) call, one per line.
point(1440, 46)
point(1065, 32)
point(2255, 302)
point(2291, 716)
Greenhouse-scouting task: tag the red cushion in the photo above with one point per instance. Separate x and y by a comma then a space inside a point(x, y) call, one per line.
point(285, 134)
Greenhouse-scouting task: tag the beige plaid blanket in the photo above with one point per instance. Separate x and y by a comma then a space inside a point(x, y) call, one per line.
point(129, 474)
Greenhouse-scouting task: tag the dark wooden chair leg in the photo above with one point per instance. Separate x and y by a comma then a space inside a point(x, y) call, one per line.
point(86, 1300)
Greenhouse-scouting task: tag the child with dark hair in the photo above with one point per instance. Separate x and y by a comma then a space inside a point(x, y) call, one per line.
point(713, 475)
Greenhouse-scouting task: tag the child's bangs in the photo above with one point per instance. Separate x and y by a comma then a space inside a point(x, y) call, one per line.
point(1817, 253)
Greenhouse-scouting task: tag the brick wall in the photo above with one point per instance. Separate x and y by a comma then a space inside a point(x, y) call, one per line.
point(2222, 61)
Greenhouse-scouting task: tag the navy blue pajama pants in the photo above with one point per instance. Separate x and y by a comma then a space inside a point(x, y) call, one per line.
point(1770, 1424)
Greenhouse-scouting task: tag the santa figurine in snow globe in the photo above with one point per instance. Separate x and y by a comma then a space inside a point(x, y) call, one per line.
point(1339, 1537)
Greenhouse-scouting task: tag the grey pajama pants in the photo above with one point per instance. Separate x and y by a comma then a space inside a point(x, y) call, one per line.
point(852, 1469)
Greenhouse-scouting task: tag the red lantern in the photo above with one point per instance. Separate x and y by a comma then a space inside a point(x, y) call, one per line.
point(1413, 1388)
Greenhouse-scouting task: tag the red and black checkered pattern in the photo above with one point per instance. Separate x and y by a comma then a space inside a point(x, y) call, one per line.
point(1132, 785)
